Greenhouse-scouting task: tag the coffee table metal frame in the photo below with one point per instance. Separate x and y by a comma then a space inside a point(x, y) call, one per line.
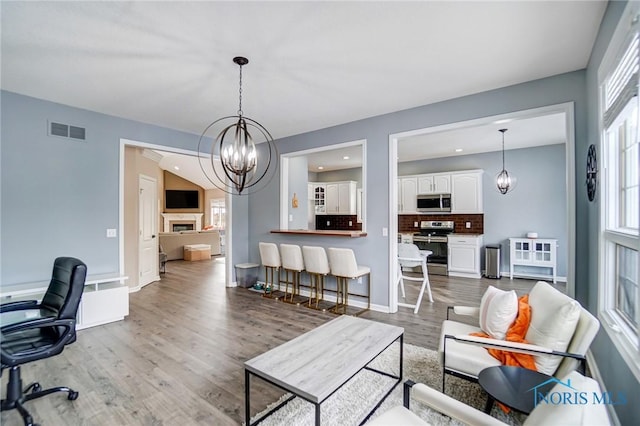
point(249, 371)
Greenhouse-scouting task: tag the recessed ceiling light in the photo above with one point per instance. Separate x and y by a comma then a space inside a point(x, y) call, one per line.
point(320, 168)
point(176, 167)
point(346, 157)
point(458, 149)
point(506, 120)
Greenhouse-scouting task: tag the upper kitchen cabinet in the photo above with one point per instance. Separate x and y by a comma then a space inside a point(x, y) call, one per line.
point(341, 198)
point(407, 194)
point(434, 184)
point(466, 192)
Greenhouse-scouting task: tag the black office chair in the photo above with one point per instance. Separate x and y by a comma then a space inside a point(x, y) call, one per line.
point(49, 326)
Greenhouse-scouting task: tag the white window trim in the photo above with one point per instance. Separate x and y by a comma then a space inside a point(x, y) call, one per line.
point(623, 337)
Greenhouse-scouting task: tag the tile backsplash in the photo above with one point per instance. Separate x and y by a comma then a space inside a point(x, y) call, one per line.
point(338, 222)
point(406, 222)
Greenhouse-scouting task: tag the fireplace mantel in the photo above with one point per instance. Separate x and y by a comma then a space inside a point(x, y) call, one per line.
point(182, 217)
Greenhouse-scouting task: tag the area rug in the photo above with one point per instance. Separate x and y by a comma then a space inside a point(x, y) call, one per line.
point(350, 405)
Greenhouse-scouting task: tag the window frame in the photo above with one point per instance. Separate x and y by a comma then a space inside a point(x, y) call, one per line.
point(613, 235)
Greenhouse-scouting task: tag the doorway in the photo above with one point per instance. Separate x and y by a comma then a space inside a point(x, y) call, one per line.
point(140, 158)
point(566, 178)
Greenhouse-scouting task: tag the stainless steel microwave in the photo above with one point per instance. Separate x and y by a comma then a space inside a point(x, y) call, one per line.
point(434, 203)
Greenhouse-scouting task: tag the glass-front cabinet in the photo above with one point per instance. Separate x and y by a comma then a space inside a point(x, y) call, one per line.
point(536, 252)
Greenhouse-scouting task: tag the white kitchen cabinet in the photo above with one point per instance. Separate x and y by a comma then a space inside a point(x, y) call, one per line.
point(341, 198)
point(319, 197)
point(464, 255)
point(466, 192)
point(434, 184)
point(537, 252)
point(407, 194)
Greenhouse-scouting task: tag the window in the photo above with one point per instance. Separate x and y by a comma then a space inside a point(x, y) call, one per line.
point(218, 213)
point(620, 202)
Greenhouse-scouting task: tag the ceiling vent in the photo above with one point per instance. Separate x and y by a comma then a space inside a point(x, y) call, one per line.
point(67, 131)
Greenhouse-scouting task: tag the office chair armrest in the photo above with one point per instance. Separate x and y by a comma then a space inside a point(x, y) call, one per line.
point(451, 407)
point(472, 311)
point(39, 323)
point(523, 348)
point(18, 306)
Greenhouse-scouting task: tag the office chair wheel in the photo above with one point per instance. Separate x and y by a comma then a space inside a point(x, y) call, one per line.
point(33, 388)
point(73, 395)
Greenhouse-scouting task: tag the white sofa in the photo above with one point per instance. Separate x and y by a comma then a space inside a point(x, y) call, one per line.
point(173, 242)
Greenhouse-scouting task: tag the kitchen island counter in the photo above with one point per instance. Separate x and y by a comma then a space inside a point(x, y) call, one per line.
point(322, 233)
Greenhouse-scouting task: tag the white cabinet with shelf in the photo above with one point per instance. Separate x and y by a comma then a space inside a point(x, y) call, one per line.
point(466, 192)
point(407, 194)
point(536, 252)
point(464, 255)
point(105, 298)
point(434, 184)
point(340, 198)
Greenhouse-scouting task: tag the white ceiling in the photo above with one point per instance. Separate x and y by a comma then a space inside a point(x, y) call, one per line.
point(312, 64)
point(521, 133)
point(334, 159)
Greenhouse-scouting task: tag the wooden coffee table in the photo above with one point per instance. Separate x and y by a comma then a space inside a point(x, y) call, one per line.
point(512, 386)
point(316, 364)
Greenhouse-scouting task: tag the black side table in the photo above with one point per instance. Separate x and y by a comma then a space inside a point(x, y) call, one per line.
point(512, 386)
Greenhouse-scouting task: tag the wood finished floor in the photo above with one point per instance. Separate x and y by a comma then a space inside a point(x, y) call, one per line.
point(177, 359)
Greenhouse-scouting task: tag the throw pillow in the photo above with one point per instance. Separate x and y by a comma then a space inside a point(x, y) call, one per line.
point(554, 317)
point(498, 310)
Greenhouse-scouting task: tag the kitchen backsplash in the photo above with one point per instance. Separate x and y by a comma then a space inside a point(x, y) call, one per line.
point(406, 222)
point(338, 222)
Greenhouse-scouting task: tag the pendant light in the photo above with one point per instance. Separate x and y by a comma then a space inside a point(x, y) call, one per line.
point(504, 181)
point(241, 166)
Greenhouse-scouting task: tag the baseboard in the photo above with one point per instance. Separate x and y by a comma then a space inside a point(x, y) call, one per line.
point(134, 289)
point(233, 284)
point(592, 365)
point(525, 275)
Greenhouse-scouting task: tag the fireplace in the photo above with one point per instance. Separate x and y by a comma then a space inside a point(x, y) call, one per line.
point(177, 227)
point(173, 219)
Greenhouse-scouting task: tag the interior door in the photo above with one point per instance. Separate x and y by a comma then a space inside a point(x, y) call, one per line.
point(147, 243)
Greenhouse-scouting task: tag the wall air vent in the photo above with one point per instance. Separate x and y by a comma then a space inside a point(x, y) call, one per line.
point(66, 131)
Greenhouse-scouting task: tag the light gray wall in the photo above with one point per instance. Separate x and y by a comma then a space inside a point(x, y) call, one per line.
point(538, 203)
point(298, 185)
point(354, 174)
point(617, 376)
point(60, 195)
point(373, 249)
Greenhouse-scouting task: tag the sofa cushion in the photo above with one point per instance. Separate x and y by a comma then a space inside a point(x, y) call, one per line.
point(498, 310)
point(553, 321)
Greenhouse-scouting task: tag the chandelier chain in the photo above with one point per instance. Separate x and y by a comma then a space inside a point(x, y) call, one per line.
point(240, 94)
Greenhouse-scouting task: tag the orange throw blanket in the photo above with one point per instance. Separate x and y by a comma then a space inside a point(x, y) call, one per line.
point(516, 333)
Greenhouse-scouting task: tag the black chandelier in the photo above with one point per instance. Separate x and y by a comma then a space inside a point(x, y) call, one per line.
point(241, 168)
point(504, 181)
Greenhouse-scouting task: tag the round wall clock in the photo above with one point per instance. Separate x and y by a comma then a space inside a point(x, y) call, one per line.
point(592, 172)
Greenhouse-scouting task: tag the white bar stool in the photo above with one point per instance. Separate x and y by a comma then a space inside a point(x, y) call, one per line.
point(409, 256)
point(270, 258)
point(292, 262)
point(317, 266)
point(345, 268)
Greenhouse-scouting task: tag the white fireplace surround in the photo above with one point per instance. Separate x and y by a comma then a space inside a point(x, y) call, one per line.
point(196, 218)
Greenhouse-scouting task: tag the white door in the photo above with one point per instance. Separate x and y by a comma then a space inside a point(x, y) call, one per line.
point(147, 222)
point(425, 185)
point(442, 184)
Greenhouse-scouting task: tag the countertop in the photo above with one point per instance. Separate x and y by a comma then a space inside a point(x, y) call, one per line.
point(350, 234)
point(466, 235)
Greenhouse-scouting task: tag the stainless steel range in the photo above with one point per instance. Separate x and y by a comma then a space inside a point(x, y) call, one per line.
point(433, 236)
